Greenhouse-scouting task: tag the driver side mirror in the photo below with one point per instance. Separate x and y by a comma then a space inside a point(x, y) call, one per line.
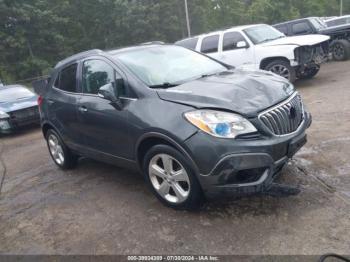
point(112, 92)
point(108, 92)
point(242, 44)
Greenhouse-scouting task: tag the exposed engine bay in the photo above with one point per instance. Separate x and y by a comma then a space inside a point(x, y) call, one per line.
point(312, 55)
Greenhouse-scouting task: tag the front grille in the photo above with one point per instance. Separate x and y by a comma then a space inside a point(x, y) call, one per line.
point(25, 114)
point(284, 118)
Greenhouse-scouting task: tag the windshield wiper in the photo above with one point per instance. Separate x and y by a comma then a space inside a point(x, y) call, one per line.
point(168, 85)
point(164, 85)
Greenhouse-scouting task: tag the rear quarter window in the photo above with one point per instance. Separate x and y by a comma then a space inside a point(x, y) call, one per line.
point(67, 79)
point(282, 28)
point(188, 43)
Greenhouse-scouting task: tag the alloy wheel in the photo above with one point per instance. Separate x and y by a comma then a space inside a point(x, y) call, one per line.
point(281, 70)
point(169, 178)
point(338, 51)
point(56, 149)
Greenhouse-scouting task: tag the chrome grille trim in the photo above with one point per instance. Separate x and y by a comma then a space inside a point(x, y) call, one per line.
point(277, 119)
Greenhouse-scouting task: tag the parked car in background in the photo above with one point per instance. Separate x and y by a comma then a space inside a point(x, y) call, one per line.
point(339, 35)
point(337, 21)
point(263, 47)
point(18, 108)
point(193, 125)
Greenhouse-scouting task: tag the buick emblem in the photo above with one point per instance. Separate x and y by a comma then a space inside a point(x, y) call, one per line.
point(292, 112)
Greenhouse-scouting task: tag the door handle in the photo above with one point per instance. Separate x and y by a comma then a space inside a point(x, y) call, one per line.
point(50, 101)
point(82, 109)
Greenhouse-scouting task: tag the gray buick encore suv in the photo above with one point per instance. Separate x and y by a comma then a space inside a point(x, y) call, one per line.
point(194, 126)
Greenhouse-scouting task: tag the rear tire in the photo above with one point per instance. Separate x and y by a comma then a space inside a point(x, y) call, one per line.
point(63, 157)
point(340, 50)
point(282, 68)
point(308, 73)
point(171, 178)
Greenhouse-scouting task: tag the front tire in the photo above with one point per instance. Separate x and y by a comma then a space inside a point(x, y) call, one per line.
point(60, 153)
point(340, 50)
point(171, 178)
point(308, 73)
point(282, 68)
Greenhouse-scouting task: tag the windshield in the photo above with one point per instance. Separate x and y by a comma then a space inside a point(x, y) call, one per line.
point(263, 33)
point(13, 94)
point(339, 21)
point(168, 65)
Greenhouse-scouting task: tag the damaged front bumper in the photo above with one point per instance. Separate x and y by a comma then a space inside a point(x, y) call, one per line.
point(244, 167)
point(244, 174)
point(310, 56)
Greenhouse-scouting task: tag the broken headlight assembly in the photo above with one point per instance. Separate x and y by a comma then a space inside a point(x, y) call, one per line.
point(4, 123)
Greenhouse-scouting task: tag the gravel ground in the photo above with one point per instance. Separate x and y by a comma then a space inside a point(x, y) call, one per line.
point(102, 209)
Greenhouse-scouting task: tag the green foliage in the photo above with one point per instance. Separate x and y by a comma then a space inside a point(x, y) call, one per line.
point(35, 34)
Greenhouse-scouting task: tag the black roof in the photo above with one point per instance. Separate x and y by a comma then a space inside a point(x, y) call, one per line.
point(132, 48)
point(78, 56)
point(292, 21)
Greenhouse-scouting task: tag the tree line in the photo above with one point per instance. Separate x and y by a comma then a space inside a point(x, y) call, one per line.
point(35, 34)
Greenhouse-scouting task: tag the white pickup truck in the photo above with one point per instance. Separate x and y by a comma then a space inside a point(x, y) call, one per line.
point(263, 47)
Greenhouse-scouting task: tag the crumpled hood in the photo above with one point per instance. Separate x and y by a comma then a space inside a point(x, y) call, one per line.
point(18, 104)
point(300, 40)
point(241, 91)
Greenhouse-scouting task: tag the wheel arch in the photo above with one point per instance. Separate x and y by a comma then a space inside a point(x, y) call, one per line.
point(151, 139)
point(268, 60)
point(46, 126)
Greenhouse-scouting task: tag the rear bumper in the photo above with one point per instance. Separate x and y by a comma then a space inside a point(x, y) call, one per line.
point(231, 168)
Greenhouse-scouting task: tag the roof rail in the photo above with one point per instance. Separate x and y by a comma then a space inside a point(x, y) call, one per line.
point(207, 33)
point(76, 56)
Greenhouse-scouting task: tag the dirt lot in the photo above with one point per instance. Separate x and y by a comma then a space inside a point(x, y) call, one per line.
point(101, 209)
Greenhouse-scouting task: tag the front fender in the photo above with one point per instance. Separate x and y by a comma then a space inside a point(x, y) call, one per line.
point(278, 51)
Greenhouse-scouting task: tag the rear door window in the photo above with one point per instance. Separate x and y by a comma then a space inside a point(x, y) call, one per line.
point(231, 39)
point(210, 44)
point(67, 79)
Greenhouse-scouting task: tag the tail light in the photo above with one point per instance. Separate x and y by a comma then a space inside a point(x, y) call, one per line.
point(40, 100)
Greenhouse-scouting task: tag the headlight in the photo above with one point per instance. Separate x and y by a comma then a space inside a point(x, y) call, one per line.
point(3, 115)
point(220, 124)
point(288, 88)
